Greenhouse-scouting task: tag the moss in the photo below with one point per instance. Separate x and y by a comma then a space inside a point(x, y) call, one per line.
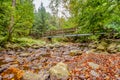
point(22, 42)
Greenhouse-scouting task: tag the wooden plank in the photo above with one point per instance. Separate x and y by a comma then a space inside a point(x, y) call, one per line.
point(71, 35)
point(61, 31)
point(68, 35)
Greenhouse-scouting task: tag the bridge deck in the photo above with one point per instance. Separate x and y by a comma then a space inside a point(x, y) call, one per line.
point(64, 33)
point(59, 32)
point(70, 35)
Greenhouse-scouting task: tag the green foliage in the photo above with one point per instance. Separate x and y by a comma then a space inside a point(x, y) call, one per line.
point(43, 22)
point(40, 22)
point(93, 16)
point(27, 41)
point(23, 17)
point(4, 17)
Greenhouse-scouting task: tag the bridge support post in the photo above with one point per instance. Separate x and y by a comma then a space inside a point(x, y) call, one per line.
point(49, 40)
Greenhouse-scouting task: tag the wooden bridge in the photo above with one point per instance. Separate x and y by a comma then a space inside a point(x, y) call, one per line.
point(64, 33)
point(70, 32)
point(60, 32)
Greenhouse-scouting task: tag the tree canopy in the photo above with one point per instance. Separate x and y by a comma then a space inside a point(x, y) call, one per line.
point(19, 18)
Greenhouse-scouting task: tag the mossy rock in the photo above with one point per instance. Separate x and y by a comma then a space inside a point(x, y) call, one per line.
point(75, 52)
point(102, 46)
point(60, 71)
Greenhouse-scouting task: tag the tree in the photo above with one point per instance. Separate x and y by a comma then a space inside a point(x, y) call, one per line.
point(10, 27)
point(40, 23)
point(94, 16)
point(24, 18)
point(16, 19)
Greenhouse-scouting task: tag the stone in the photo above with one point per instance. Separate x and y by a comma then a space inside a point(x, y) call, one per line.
point(11, 52)
point(0, 77)
point(91, 51)
point(118, 47)
point(28, 75)
point(11, 76)
point(105, 52)
point(3, 67)
point(112, 47)
point(35, 46)
point(14, 73)
point(93, 65)
point(60, 71)
point(44, 74)
point(82, 77)
point(102, 46)
point(75, 52)
point(92, 45)
point(8, 59)
point(46, 55)
point(24, 54)
point(94, 73)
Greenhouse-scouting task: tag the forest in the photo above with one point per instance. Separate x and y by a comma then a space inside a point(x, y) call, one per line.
point(65, 40)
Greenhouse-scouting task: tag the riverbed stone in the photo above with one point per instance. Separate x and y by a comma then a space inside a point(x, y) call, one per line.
point(8, 59)
point(93, 65)
point(112, 47)
point(75, 52)
point(102, 46)
point(94, 73)
point(60, 71)
point(24, 54)
point(28, 75)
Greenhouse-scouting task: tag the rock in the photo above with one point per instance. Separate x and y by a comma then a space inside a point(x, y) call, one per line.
point(35, 46)
point(12, 73)
point(65, 52)
point(93, 65)
point(51, 46)
point(24, 54)
point(44, 74)
point(28, 75)
point(36, 66)
point(14, 65)
point(105, 52)
point(75, 52)
point(30, 50)
point(8, 59)
point(12, 46)
point(46, 55)
point(11, 76)
point(92, 45)
point(112, 47)
point(11, 52)
point(93, 73)
point(82, 77)
point(20, 60)
point(0, 77)
point(3, 67)
point(91, 51)
point(118, 47)
point(102, 46)
point(60, 71)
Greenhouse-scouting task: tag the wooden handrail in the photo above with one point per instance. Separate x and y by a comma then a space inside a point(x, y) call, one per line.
point(60, 31)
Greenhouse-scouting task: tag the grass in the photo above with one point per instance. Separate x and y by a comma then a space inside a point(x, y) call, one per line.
point(27, 41)
point(21, 42)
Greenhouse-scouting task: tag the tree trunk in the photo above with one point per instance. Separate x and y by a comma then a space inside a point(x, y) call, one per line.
point(10, 28)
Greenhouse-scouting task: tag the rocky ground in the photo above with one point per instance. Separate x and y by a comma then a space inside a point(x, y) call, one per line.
point(71, 61)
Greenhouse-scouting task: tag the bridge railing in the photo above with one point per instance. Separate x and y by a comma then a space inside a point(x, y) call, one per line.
point(59, 32)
